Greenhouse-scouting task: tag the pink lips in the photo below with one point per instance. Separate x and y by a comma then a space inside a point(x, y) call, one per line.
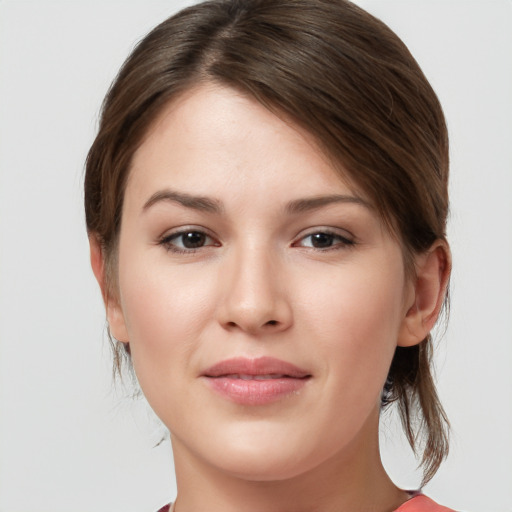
point(255, 381)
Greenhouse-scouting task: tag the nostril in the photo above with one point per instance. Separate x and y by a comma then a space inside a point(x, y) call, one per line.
point(272, 322)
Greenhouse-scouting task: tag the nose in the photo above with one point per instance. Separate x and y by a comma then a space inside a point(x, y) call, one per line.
point(254, 298)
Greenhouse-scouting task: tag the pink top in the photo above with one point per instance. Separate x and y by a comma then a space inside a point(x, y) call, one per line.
point(418, 503)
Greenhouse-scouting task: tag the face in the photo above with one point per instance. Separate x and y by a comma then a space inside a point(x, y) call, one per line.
point(261, 295)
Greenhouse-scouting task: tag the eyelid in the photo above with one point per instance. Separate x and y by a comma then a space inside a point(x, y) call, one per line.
point(167, 238)
point(347, 238)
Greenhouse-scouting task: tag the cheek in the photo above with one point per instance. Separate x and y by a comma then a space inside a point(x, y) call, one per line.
point(356, 315)
point(165, 311)
point(355, 299)
point(165, 314)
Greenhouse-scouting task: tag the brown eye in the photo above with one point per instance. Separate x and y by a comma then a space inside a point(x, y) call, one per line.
point(193, 239)
point(324, 240)
point(187, 241)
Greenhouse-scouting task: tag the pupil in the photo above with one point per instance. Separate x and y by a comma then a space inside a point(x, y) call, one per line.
point(321, 240)
point(193, 240)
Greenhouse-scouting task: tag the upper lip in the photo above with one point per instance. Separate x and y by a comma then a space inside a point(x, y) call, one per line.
point(259, 366)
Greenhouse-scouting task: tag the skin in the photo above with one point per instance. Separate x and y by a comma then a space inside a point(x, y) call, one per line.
point(259, 283)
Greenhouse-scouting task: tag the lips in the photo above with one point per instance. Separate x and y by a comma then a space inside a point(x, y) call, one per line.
point(255, 381)
point(256, 377)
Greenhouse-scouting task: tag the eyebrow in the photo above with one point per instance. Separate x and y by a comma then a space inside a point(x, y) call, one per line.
point(211, 205)
point(314, 203)
point(200, 203)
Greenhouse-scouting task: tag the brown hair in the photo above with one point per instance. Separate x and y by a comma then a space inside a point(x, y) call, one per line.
point(349, 81)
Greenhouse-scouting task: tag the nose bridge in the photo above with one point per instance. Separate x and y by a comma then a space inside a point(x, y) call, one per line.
point(254, 296)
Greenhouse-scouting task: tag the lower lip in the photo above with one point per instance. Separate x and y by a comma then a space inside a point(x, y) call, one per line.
point(256, 392)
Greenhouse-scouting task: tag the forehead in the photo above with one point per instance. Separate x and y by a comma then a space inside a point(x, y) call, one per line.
point(219, 141)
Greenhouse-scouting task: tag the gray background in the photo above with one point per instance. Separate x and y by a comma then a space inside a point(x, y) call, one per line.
point(68, 439)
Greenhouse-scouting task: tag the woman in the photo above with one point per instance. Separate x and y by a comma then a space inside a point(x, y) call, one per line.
point(266, 203)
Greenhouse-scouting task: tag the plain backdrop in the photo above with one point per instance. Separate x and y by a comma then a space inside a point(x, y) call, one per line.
point(68, 439)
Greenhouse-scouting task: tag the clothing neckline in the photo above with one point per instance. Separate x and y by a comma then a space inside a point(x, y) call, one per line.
point(402, 508)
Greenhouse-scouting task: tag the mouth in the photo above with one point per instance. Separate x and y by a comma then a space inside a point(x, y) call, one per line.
point(255, 381)
point(255, 377)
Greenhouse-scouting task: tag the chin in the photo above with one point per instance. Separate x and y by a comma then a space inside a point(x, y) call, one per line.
point(264, 453)
point(265, 467)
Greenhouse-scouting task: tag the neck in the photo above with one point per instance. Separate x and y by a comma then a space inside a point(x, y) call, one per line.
point(353, 480)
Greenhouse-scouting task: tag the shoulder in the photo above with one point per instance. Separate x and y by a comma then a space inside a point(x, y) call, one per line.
point(421, 503)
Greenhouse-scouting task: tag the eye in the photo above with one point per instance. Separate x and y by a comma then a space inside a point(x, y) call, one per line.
point(187, 240)
point(324, 240)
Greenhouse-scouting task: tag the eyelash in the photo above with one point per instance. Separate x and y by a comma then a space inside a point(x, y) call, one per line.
point(168, 241)
point(343, 241)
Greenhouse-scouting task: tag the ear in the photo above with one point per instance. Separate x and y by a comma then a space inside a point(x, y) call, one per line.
point(115, 316)
point(429, 287)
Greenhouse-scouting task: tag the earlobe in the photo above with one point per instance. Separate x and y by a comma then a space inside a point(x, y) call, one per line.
point(113, 309)
point(429, 290)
